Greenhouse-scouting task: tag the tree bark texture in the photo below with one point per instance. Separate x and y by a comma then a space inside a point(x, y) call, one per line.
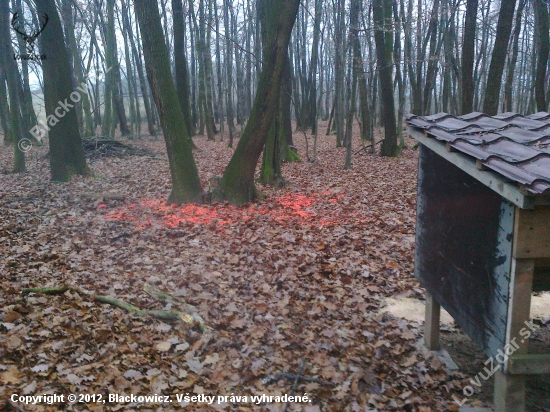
point(186, 185)
point(66, 153)
point(237, 185)
point(498, 58)
point(468, 55)
point(389, 145)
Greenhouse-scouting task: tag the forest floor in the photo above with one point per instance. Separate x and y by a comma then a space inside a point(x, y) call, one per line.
point(292, 284)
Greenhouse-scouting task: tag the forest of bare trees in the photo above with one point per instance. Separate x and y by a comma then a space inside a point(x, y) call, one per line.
point(283, 205)
point(247, 69)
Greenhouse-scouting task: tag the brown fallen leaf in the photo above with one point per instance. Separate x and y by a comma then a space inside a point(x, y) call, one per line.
point(410, 361)
point(13, 342)
point(163, 346)
point(11, 376)
point(12, 316)
point(234, 260)
point(405, 395)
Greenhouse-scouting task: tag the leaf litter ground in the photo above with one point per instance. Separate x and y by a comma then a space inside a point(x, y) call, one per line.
point(297, 279)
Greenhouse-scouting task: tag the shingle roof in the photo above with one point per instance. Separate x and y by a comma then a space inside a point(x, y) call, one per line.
point(515, 146)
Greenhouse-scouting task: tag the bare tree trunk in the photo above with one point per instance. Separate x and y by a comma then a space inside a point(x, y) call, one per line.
point(468, 55)
point(219, 100)
point(193, 79)
point(229, 68)
point(132, 89)
point(541, 19)
point(399, 75)
point(312, 78)
point(26, 97)
point(86, 117)
point(249, 35)
point(9, 67)
point(339, 72)
point(513, 59)
point(208, 69)
point(352, 110)
point(498, 58)
point(108, 92)
point(186, 185)
point(356, 11)
point(180, 61)
point(66, 153)
point(237, 185)
point(4, 106)
point(383, 54)
point(432, 62)
point(139, 67)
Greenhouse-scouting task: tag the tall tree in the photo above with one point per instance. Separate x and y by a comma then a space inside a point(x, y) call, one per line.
point(513, 58)
point(110, 55)
point(229, 71)
point(139, 68)
point(26, 98)
point(356, 11)
point(237, 184)
point(9, 70)
point(498, 58)
point(205, 69)
point(312, 77)
point(180, 62)
point(4, 107)
point(84, 111)
point(66, 153)
point(433, 57)
point(468, 56)
point(186, 185)
point(384, 60)
point(339, 71)
point(541, 14)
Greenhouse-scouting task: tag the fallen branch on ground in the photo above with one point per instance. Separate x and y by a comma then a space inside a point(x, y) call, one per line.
point(364, 148)
point(295, 382)
point(190, 317)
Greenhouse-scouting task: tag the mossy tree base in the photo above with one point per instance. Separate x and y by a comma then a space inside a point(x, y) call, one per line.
point(291, 155)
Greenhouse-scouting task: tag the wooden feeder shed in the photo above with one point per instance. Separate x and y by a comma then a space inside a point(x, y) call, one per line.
point(483, 234)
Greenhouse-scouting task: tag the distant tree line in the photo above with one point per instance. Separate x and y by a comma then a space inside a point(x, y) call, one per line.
point(250, 67)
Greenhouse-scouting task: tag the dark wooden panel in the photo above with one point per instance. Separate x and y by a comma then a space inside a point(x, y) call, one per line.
point(541, 278)
point(463, 248)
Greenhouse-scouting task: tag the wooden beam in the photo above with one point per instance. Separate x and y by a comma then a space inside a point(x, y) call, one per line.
point(431, 323)
point(509, 392)
point(510, 388)
point(519, 304)
point(532, 231)
point(529, 364)
point(480, 165)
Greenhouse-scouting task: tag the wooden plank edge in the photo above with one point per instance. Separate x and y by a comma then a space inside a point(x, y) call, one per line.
point(529, 364)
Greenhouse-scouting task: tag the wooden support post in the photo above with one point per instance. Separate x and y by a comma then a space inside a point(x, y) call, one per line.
point(510, 389)
point(431, 324)
point(509, 392)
